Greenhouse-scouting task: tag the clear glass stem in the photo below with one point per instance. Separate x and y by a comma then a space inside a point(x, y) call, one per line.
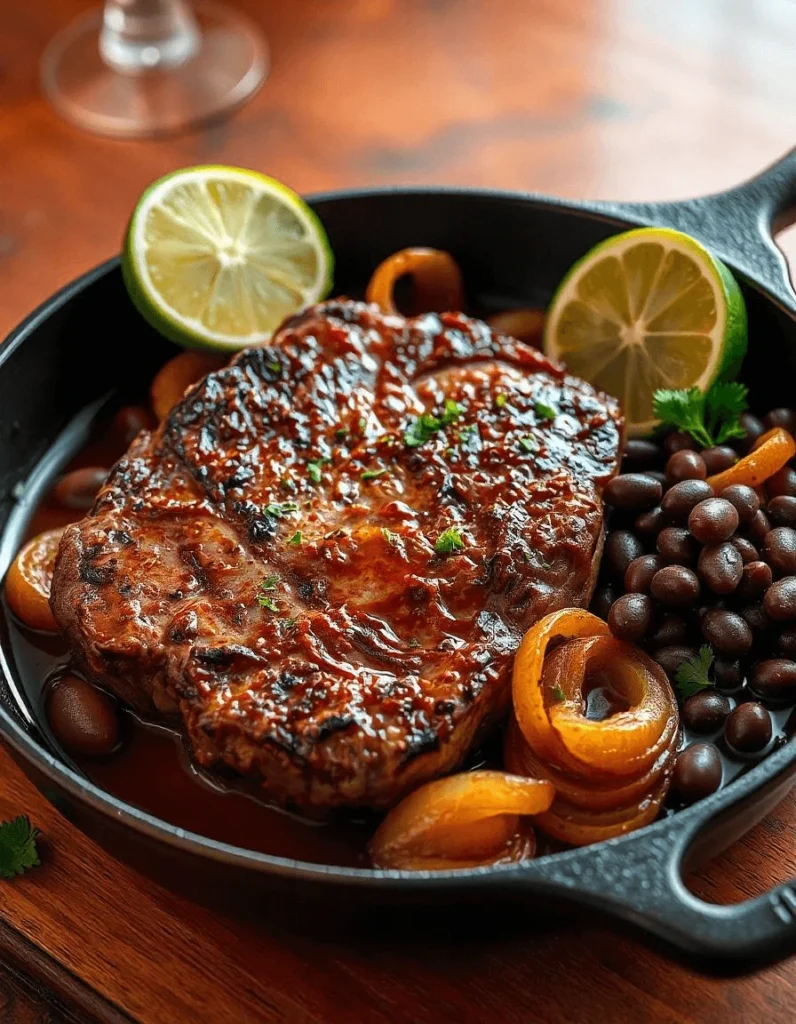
point(144, 35)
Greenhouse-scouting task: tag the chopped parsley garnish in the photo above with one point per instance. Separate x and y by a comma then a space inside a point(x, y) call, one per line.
point(424, 427)
point(501, 400)
point(17, 846)
point(449, 453)
point(467, 429)
point(389, 536)
point(287, 484)
point(296, 539)
point(267, 602)
point(314, 468)
point(558, 693)
point(545, 411)
point(373, 474)
point(267, 587)
point(270, 583)
point(278, 510)
point(451, 413)
point(711, 418)
point(692, 675)
point(288, 624)
point(528, 444)
point(422, 430)
point(450, 540)
point(274, 366)
point(341, 432)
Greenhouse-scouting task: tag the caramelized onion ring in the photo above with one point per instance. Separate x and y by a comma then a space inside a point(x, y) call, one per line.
point(461, 821)
point(769, 454)
point(610, 775)
point(435, 275)
point(523, 324)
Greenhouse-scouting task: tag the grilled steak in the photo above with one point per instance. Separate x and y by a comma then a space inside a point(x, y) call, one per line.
point(325, 558)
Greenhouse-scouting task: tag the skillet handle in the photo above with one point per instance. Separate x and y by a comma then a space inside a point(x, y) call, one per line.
point(639, 878)
point(738, 224)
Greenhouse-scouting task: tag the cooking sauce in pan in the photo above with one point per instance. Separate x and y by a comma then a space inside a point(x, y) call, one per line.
point(151, 768)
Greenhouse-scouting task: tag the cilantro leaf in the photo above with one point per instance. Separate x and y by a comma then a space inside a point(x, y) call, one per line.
point(267, 602)
point(389, 536)
point(270, 583)
point(692, 675)
point(545, 411)
point(17, 846)
point(501, 400)
point(452, 412)
point(558, 693)
point(296, 539)
point(274, 366)
point(528, 444)
point(710, 418)
point(373, 474)
point(314, 469)
point(448, 541)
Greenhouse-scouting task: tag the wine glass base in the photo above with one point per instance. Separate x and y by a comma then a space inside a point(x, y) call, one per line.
point(231, 65)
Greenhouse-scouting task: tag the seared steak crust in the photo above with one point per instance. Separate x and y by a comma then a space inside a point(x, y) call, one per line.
point(268, 564)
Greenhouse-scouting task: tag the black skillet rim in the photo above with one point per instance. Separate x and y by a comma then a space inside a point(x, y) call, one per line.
point(84, 791)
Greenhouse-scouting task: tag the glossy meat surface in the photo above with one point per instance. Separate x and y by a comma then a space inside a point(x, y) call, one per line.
point(269, 564)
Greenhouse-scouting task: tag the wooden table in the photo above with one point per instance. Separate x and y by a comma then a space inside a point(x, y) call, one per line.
point(610, 98)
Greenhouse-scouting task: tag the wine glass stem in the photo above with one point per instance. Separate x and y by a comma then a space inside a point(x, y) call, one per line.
point(144, 35)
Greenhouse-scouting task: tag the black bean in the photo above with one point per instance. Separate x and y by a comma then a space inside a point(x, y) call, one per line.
point(82, 717)
point(658, 475)
point(726, 631)
point(720, 567)
point(719, 458)
point(749, 728)
point(787, 642)
point(678, 441)
point(756, 619)
point(675, 586)
point(774, 678)
point(756, 578)
point(630, 617)
point(783, 482)
point(745, 549)
point(640, 572)
point(671, 631)
point(676, 546)
point(744, 499)
point(727, 673)
point(713, 520)
point(678, 501)
point(706, 711)
point(758, 526)
point(621, 548)
point(779, 550)
point(641, 454)
point(685, 465)
point(782, 510)
point(780, 418)
point(753, 429)
point(671, 658)
point(601, 603)
point(780, 600)
point(634, 491)
point(649, 523)
point(697, 773)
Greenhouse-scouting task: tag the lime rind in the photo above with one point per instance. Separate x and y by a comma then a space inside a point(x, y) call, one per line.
point(190, 332)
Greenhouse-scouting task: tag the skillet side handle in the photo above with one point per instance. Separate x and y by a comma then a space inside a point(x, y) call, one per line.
point(639, 879)
point(738, 224)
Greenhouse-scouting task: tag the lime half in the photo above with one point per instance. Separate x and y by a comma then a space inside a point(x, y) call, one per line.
point(218, 257)
point(647, 309)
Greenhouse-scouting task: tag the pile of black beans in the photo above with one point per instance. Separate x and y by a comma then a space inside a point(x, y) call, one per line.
point(684, 567)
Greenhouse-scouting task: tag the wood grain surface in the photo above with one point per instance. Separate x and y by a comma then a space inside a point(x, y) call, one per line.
point(610, 98)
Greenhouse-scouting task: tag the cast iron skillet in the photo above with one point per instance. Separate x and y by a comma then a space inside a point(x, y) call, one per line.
point(513, 248)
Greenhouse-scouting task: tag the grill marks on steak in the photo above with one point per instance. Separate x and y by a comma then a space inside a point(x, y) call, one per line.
point(376, 662)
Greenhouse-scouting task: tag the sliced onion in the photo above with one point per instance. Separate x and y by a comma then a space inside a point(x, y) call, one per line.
point(435, 275)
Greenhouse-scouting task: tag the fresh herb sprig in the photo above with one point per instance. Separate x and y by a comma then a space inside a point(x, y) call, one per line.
point(711, 417)
point(423, 428)
point(449, 541)
point(693, 674)
point(17, 846)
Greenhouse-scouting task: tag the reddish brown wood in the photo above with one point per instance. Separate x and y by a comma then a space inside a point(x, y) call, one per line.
point(615, 98)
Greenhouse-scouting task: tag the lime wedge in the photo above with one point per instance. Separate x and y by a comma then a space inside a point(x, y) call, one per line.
point(647, 309)
point(218, 257)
